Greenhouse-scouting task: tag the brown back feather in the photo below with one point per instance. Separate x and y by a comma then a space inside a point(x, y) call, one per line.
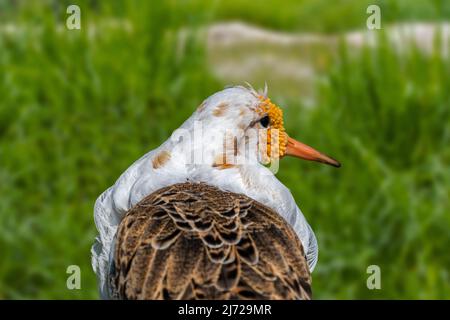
point(194, 241)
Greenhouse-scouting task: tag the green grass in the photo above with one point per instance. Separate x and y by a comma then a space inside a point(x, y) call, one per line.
point(323, 16)
point(77, 108)
point(75, 112)
point(386, 117)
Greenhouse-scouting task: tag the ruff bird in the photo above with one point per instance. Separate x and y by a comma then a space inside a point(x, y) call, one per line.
point(203, 215)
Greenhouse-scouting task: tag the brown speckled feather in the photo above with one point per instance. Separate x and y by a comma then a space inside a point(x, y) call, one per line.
point(194, 241)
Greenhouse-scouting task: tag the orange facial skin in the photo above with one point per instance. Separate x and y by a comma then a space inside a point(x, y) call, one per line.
point(280, 145)
point(276, 122)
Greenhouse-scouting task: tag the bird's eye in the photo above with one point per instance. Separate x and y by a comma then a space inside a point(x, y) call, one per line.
point(265, 121)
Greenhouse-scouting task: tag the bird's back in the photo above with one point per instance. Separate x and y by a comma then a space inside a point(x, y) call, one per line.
point(194, 241)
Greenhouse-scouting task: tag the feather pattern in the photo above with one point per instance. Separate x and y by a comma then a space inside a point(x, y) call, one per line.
point(162, 253)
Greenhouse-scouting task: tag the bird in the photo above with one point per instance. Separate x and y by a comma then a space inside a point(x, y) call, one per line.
point(203, 216)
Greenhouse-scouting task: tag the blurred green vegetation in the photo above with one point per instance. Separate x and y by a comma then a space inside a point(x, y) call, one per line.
point(386, 118)
point(78, 107)
point(326, 15)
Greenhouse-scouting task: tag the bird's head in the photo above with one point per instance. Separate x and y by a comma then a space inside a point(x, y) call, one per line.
point(240, 125)
point(272, 120)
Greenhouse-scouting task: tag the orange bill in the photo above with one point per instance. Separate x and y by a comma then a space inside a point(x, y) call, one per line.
point(300, 150)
